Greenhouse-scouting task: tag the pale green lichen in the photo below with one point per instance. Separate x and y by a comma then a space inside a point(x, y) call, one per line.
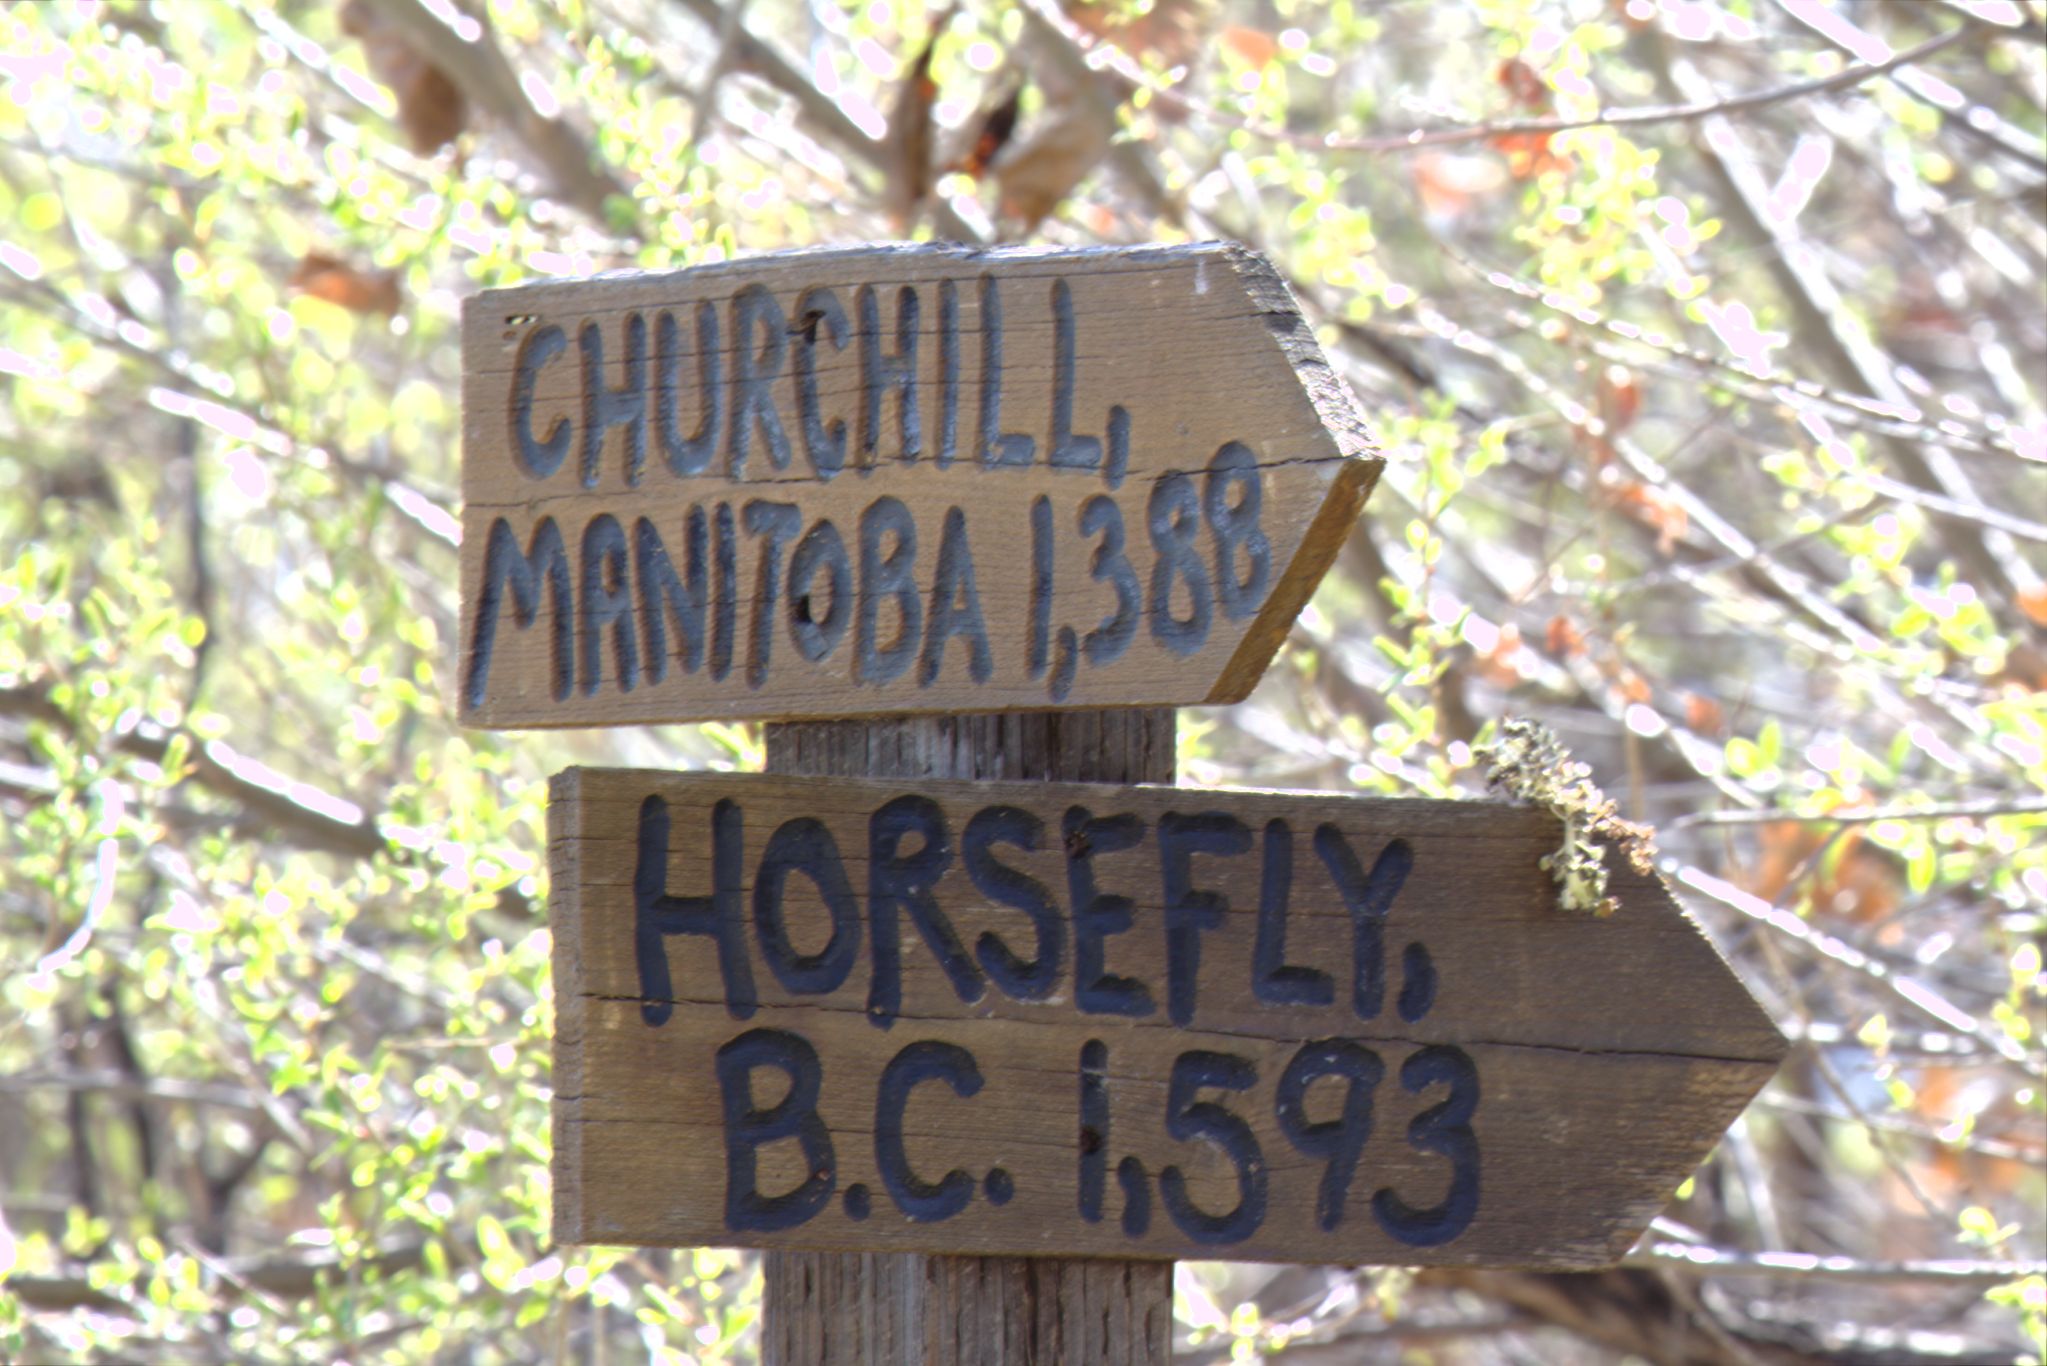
point(1529, 764)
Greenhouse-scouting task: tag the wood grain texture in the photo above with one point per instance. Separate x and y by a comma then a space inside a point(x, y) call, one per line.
point(1605, 1056)
point(853, 1309)
point(695, 495)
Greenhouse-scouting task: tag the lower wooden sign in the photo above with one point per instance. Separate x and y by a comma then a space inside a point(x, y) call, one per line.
point(1074, 1020)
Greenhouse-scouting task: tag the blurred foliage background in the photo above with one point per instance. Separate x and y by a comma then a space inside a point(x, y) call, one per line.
point(1707, 338)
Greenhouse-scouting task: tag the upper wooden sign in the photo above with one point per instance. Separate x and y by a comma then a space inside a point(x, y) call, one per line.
point(1071, 1020)
point(893, 479)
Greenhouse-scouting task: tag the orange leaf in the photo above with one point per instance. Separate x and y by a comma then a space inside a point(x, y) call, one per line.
point(1562, 638)
point(1496, 666)
point(1256, 47)
point(1703, 716)
point(1655, 509)
point(359, 291)
point(1448, 183)
point(1620, 398)
point(2033, 602)
point(1527, 154)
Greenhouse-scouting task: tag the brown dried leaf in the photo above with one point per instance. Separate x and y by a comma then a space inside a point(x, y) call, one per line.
point(359, 291)
point(1523, 84)
point(431, 108)
point(997, 126)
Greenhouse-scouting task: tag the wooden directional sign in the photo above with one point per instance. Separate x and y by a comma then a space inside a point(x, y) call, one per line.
point(900, 479)
point(1081, 1020)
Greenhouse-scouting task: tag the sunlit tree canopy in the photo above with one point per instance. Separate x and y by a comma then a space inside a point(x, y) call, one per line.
point(1707, 343)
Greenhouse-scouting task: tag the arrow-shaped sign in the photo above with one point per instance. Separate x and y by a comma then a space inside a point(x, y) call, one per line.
point(901, 479)
point(1135, 1022)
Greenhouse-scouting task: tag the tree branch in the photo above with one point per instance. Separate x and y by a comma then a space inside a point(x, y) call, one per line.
point(1691, 1259)
point(1824, 329)
point(487, 80)
point(313, 818)
point(1844, 79)
point(2023, 806)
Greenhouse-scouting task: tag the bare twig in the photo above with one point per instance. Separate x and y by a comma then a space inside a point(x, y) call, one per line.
point(1972, 119)
point(1843, 79)
point(2023, 806)
point(1717, 1261)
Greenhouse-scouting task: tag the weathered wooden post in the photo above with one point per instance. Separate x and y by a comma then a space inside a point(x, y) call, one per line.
point(963, 1012)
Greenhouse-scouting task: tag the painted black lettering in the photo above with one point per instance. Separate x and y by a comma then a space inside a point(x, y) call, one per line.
point(817, 633)
point(1188, 1119)
point(1444, 1129)
point(718, 916)
point(756, 314)
point(1417, 983)
point(948, 373)
point(664, 594)
point(825, 446)
point(1097, 915)
point(1119, 445)
point(688, 455)
point(1021, 979)
point(1094, 1129)
point(1130, 1176)
point(928, 1060)
point(1190, 910)
point(804, 845)
point(1274, 980)
point(724, 590)
point(1236, 530)
point(998, 448)
point(886, 578)
point(1369, 897)
point(882, 373)
point(955, 608)
point(538, 458)
point(1338, 1142)
point(1039, 654)
point(1065, 663)
point(896, 880)
point(775, 524)
point(607, 601)
point(748, 1129)
point(1067, 451)
point(625, 406)
point(1174, 515)
point(546, 561)
point(1100, 516)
